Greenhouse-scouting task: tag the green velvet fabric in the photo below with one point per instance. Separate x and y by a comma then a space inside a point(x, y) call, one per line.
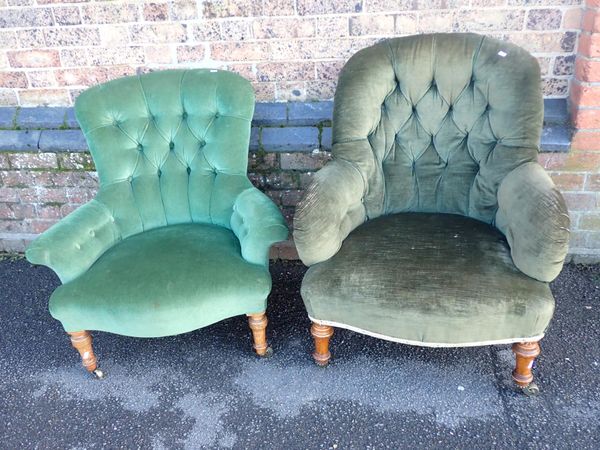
point(435, 123)
point(441, 129)
point(170, 148)
point(428, 278)
point(165, 281)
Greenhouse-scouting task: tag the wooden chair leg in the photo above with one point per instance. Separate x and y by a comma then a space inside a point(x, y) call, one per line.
point(525, 353)
point(82, 342)
point(258, 325)
point(321, 335)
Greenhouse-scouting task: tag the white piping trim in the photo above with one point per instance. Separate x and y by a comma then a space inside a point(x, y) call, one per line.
point(425, 344)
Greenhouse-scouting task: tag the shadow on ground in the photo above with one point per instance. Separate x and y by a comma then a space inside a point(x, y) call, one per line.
point(207, 390)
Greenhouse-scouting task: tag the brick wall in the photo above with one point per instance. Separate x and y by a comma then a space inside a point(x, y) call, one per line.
point(291, 49)
point(292, 52)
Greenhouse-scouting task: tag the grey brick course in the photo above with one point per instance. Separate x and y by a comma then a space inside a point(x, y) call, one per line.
point(309, 113)
point(288, 139)
point(42, 117)
point(26, 140)
point(62, 140)
point(270, 114)
point(7, 117)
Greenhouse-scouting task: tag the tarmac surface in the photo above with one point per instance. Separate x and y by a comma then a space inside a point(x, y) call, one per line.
point(206, 389)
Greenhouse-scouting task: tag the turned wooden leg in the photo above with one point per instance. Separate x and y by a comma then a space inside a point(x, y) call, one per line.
point(321, 335)
point(82, 341)
point(525, 353)
point(258, 325)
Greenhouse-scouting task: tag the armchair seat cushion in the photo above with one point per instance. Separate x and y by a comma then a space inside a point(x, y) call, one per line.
point(428, 279)
point(162, 282)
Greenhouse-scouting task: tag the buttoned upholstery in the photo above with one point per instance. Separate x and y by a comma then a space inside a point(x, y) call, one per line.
point(170, 148)
point(440, 123)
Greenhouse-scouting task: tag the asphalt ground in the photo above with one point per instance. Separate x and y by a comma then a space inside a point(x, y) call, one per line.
point(206, 389)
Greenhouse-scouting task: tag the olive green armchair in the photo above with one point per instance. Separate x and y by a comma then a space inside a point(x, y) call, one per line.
point(177, 237)
point(434, 225)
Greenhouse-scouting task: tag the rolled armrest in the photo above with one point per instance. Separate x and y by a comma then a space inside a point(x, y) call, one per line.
point(331, 208)
point(72, 245)
point(258, 224)
point(533, 216)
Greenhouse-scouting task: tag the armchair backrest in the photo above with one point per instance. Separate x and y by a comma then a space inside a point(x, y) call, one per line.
point(169, 146)
point(434, 122)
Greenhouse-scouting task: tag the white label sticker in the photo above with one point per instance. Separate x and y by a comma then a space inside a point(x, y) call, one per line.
point(502, 53)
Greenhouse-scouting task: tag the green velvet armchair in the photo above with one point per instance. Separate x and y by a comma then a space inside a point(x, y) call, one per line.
point(434, 225)
point(177, 237)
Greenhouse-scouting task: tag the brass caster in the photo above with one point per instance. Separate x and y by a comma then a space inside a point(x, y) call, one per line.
point(268, 352)
point(531, 390)
point(99, 374)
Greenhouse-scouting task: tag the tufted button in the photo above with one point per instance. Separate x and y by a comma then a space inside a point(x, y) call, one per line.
point(189, 170)
point(217, 115)
point(140, 147)
point(159, 172)
point(171, 145)
point(414, 109)
point(450, 107)
point(201, 143)
point(488, 107)
point(433, 84)
point(184, 115)
point(130, 178)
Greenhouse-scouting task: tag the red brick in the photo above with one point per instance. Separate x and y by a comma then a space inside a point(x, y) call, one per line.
point(568, 181)
point(10, 195)
point(190, 53)
point(574, 161)
point(587, 69)
point(45, 97)
point(572, 18)
point(591, 21)
point(34, 58)
point(42, 78)
point(286, 250)
point(16, 211)
point(48, 211)
point(291, 71)
point(589, 221)
point(585, 118)
point(580, 201)
point(41, 225)
point(284, 28)
point(13, 79)
point(43, 195)
point(291, 198)
point(79, 194)
point(592, 182)
point(239, 51)
point(156, 11)
point(33, 160)
point(585, 95)
point(589, 45)
point(89, 76)
point(585, 140)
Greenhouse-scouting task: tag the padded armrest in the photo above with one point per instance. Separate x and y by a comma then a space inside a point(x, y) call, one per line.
point(331, 208)
point(258, 224)
point(533, 216)
point(72, 245)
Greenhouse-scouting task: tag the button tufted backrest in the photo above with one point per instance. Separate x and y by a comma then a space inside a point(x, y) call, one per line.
point(434, 122)
point(169, 146)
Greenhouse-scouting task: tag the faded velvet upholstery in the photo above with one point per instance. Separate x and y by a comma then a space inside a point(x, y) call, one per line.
point(422, 277)
point(170, 149)
point(446, 124)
